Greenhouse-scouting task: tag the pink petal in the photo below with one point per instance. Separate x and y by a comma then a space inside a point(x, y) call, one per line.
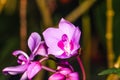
point(66, 27)
point(33, 41)
point(15, 70)
point(65, 71)
point(19, 52)
point(63, 56)
point(52, 41)
point(65, 64)
point(75, 40)
point(22, 59)
point(33, 69)
point(41, 50)
point(61, 44)
point(73, 76)
point(52, 36)
point(56, 53)
point(75, 50)
point(57, 76)
point(76, 36)
point(24, 76)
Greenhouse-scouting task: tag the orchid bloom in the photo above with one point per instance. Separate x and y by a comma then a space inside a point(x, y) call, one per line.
point(64, 73)
point(28, 66)
point(62, 42)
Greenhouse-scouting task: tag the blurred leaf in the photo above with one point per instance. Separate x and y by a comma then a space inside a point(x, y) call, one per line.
point(6, 57)
point(9, 46)
point(10, 6)
point(116, 28)
point(110, 71)
point(99, 20)
point(2, 4)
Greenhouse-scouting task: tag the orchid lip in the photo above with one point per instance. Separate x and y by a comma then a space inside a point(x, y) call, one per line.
point(65, 44)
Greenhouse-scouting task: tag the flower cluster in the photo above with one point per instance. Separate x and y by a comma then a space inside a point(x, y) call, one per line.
point(61, 42)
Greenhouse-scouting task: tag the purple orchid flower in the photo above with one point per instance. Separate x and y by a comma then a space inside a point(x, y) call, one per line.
point(64, 73)
point(28, 66)
point(62, 42)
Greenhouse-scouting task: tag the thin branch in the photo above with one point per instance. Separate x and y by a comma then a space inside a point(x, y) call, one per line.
point(23, 24)
point(48, 69)
point(81, 9)
point(46, 15)
point(86, 29)
point(109, 39)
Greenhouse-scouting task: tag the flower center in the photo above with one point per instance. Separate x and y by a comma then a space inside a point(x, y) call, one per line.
point(65, 44)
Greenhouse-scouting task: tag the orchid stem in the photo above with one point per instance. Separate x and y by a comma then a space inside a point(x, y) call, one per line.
point(43, 59)
point(82, 68)
point(48, 69)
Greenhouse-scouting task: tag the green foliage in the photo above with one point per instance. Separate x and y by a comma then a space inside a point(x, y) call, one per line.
point(6, 57)
point(110, 71)
point(116, 28)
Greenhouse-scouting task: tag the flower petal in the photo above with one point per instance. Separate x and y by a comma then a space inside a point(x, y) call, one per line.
point(24, 76)
point(15, 70)
point(33, 41)
point(76, 35)
point(67, 27)
point(64, 64)
point(52, 36)
point(52, 40)
point(63, 56)
point(76, 39)
point(57, 76)
point(19, 52)
point(56, 53)
point(73, 76)
point(41, 50)
point(33, 69)
point(64, 71)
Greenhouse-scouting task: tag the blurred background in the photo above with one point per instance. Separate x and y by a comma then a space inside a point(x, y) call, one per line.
point(98, 21)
